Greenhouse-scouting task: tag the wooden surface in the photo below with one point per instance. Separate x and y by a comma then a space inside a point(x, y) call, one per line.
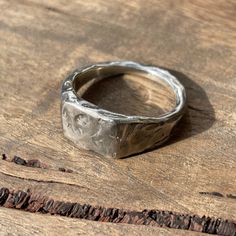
point(41, 42)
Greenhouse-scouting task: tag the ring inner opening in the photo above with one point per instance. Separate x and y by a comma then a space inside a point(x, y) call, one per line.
point(128, 93)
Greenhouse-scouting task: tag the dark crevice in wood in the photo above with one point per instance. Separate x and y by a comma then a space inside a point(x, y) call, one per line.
point(33, 202)
point(4, 157)
point(231, 196)
point(34, 163)
point(62, 169)
point(217, 194)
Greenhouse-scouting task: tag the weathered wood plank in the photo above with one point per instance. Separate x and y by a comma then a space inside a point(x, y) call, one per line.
point(41, 42)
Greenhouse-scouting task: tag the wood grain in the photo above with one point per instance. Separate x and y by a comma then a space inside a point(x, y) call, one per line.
point(41, 42)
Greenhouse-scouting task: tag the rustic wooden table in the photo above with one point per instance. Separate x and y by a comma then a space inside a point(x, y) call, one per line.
point(42, 41)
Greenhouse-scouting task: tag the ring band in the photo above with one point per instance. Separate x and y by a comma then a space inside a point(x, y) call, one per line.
point(111, 134)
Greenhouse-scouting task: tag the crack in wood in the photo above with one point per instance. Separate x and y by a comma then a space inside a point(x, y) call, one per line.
point(45, 181)
point(217, 194)
point(33, 202)
point(231, 196)
point(34, 163)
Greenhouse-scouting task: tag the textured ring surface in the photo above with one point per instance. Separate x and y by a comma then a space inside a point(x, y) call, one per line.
point(111, 134)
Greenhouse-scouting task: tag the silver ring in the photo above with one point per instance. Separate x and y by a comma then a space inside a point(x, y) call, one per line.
point(111, 134)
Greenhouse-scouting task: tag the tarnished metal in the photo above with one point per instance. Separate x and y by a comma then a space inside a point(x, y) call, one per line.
point(111, 134)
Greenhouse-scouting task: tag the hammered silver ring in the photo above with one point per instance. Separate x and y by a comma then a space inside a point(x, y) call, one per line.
point(111, 134)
